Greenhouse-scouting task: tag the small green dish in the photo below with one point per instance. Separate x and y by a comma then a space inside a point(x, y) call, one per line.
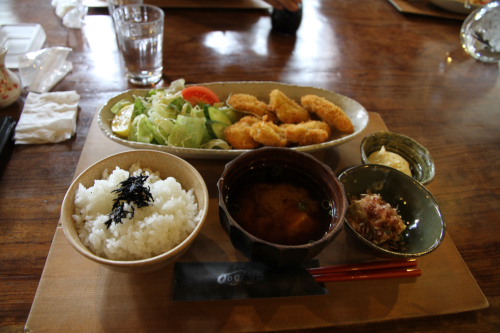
point(425, 226)
point(419, 158)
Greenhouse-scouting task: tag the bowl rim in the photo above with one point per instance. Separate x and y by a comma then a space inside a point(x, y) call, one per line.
point(416, 183)
point(429, 166)
point(69, 225)
point(331, 232)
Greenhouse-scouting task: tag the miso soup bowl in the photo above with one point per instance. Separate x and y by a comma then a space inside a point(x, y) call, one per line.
point(276, 162)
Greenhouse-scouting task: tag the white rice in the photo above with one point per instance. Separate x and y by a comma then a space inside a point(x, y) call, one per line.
point(153, 230)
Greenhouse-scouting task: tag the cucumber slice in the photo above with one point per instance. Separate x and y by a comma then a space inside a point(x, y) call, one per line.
point(216, 129)
point(233, 115)
point(215, 114)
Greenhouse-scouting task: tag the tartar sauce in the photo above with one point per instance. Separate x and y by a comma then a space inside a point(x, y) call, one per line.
point(390, 159)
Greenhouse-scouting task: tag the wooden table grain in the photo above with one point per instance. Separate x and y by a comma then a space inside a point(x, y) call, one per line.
point(410, 69)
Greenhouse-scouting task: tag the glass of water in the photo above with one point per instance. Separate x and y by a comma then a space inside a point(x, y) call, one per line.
point(139, 29)
point(480, 33)
point(113, 4)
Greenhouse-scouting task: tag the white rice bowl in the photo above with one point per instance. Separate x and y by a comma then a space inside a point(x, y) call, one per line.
point(152, 230)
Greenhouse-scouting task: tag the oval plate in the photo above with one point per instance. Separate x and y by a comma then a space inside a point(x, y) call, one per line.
point(261, 90)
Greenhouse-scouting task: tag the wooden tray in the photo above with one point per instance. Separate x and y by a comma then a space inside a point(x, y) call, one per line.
point(75, 294)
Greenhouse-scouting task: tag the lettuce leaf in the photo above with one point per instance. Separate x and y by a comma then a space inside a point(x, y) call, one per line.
point(188, 132)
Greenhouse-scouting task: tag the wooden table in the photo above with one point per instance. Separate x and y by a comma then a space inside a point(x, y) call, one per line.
point(409, 69)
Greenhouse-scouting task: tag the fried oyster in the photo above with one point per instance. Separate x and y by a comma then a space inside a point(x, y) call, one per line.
point(238, 134)
point(328, 112)
point(248, 104)
point(287, 110)
point(307, 133)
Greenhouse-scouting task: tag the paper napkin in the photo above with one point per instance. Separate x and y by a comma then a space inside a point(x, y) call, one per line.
point(72, 12)
point(47, 118)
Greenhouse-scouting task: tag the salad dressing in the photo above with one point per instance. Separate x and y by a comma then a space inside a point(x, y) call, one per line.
point(390, 159)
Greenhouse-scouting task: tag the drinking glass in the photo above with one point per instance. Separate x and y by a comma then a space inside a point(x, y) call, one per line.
point(139, 30)
point(113, 4)
point(480, 33)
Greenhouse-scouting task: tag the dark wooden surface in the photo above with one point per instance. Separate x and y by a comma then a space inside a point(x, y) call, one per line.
point(410, 69)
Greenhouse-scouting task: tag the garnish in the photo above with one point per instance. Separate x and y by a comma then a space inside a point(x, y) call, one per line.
point(130, 191)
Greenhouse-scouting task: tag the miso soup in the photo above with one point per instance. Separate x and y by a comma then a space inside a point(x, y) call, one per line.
point(280, 205)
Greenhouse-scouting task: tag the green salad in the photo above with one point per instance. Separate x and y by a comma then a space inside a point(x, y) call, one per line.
point(177, 116)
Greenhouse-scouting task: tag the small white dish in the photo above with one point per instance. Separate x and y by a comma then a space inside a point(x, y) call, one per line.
point(20, 39)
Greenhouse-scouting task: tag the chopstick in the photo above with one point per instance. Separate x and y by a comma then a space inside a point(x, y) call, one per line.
point(364, 266)
point(367, 271)
point(369, 275)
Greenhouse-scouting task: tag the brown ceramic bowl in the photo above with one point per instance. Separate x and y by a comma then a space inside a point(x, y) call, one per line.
point(164, 163)
point(280, 165)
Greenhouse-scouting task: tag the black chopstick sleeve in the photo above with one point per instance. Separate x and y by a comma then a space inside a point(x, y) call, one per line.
point(7, 126)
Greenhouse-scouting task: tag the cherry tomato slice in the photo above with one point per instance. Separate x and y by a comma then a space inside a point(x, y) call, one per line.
point(199, 94)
